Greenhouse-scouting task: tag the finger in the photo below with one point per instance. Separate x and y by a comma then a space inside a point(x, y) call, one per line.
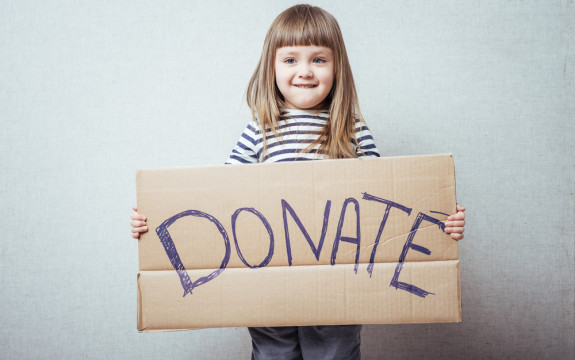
point(136, 235)
point(457, 236)
point(455, 229)
point(136, 216)
point(135, 208)
point(140, 229)
point(137, 223)
point(458, 223)
point(460, 208)
point(459, 216)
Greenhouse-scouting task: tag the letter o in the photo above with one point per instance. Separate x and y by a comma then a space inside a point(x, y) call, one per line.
point(269, 230)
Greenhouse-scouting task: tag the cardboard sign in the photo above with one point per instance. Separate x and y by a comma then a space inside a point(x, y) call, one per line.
point(355, 241)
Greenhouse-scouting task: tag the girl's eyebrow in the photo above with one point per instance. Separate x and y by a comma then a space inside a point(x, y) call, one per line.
point(287, 52)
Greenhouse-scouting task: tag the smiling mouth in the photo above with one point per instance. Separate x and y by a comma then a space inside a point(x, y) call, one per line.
point(305, 86)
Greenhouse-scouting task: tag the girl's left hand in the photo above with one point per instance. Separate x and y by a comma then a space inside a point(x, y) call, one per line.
point(455, 224)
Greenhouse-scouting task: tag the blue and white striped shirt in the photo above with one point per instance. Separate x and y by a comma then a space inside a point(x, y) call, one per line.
point(297, 129)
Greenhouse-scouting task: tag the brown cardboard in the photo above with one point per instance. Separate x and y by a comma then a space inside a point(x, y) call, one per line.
point(312, 291)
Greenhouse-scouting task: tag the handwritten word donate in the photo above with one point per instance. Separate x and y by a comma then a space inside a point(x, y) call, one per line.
point(188, 284)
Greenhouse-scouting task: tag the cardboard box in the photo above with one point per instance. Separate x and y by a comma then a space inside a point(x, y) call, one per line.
point(355, 241)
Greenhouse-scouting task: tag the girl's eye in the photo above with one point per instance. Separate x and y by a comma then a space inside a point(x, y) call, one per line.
point(289, 61)
point(319, 61)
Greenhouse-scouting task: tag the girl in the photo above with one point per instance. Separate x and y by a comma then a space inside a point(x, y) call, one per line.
point(304, 107)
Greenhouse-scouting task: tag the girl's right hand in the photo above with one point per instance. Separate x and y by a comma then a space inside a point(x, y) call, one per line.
point(138, 223)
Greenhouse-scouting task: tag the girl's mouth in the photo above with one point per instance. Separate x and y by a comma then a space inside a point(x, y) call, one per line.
point(305, 86)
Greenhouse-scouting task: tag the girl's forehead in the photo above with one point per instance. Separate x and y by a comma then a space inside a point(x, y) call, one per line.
point(304, 49)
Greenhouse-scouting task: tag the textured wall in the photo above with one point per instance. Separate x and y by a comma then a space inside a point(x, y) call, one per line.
point(91, 91)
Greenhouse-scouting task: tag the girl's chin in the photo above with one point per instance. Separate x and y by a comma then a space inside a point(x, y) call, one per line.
point(306, 106)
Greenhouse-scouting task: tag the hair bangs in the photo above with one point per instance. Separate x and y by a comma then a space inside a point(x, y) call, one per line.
point(305, 26)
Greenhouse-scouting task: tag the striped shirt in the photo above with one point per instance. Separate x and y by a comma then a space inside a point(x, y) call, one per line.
point(297, 129)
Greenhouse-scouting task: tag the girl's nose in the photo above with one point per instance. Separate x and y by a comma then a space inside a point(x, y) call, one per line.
point(305, 72)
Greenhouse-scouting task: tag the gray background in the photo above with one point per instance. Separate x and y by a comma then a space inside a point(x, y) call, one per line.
point(90, 91)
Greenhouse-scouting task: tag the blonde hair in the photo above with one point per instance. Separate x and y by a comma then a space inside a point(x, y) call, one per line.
point(306, 25)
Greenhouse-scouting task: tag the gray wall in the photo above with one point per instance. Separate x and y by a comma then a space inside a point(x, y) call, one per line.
point(91, 91)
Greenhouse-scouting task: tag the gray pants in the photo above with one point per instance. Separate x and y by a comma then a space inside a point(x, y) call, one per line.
point(306, 342)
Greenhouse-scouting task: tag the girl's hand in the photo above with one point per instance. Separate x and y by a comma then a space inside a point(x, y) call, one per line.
point(138, 223)
point(455, 223)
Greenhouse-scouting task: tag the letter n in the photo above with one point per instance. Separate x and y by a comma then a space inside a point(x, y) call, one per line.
point(316, 250)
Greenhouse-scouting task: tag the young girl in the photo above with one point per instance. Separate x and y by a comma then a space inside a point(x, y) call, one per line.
point(304, 106)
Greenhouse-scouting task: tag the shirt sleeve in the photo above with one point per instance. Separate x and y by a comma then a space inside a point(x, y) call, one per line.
point(247, 150)
point(366, 145)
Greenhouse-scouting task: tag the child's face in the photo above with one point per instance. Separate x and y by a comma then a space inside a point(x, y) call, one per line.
point(304, 75)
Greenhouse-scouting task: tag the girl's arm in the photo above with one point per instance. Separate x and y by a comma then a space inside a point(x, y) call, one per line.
point(455, 224)
point(138, 223)
point(248, 146)
point(366, 145)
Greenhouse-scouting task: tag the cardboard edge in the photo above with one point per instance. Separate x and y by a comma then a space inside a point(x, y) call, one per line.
point(142, 172)
point(459, 291)
point(146, 331)
point(140, 320)
point(458, 262)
